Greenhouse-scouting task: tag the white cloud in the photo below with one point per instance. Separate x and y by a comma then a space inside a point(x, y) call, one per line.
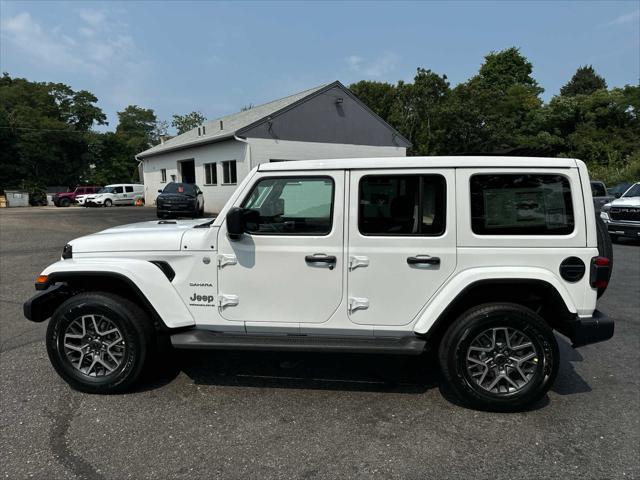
point(99, 47)
point(626, 18)
point(377, 67)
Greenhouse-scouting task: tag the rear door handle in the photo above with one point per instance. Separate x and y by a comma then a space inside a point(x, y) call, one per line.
point(329, 260)
point(426, 260)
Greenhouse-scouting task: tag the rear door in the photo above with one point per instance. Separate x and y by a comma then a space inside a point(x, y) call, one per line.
point(287, 268)
point(402, 242)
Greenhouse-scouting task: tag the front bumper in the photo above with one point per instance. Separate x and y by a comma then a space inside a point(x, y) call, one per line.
point(586, 330)
point(42, 305)
point(626, 229)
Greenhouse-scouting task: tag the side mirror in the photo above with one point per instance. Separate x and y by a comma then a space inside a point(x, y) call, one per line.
point(235, 223)
point(159, 190)
point(617, 195)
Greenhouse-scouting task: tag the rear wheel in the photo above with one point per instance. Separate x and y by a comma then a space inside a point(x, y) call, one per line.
point(499, 357)
point(98, 342)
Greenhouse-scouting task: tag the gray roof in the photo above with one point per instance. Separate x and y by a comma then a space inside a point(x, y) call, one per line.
point(231, 124)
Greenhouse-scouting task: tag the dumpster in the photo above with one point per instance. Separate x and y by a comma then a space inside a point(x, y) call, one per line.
point(17, 198)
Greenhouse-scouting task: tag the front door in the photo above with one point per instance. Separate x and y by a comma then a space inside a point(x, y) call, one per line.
point(288, 267)
point(402, 242)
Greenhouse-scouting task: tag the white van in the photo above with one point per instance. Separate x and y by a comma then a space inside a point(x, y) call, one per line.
point(116, 194)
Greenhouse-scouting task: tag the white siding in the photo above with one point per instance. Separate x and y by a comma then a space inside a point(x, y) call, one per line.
point(215, 196)
point(261, 151)
point(264, 150)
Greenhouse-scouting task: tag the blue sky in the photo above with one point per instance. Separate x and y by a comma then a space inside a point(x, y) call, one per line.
point(217, 57)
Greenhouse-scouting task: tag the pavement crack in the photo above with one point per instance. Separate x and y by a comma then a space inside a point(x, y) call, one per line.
point(68, 405)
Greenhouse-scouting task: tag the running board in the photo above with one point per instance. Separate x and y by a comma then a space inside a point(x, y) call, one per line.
point(206, 339)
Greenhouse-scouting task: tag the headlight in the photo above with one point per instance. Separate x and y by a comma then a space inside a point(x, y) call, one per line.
point(604, 216)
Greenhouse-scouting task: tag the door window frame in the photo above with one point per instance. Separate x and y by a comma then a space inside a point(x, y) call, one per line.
point(301, 177)
point(420, 206)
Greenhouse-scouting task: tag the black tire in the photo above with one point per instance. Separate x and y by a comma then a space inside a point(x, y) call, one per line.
point(134, 327)
point(108, 203)
point(605, 248)
point(65, 202)
point(201, 211)
point(454, 349)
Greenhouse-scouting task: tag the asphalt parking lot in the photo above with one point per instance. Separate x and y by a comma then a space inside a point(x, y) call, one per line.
point(258, 415)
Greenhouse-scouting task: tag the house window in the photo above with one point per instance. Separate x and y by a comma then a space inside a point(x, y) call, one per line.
point(210, 174)
point(163, 175)
point(204, 131)
point(229, 176)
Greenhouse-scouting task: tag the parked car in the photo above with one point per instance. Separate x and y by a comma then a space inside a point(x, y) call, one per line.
point(600, 195)
point(180, 199)
point(622, 215)
point(116, 194)
point(617, 190)
point(65, 199)
point(478, 259)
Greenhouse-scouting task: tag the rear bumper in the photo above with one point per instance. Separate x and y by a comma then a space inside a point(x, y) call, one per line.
point(42, 305)
point(586, 330)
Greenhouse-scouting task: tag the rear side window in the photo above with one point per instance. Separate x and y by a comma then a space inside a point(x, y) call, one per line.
point(291, 206)
point(402, 205)
point(128, 189)
point(514, 204)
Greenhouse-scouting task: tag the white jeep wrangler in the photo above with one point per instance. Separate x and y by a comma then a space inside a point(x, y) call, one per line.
point(476, 258)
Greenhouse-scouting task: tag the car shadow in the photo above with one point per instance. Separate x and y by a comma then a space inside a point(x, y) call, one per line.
point(341, 372)
point(569, 382)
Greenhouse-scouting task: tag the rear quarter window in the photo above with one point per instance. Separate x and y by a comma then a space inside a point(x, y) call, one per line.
point(517, 204)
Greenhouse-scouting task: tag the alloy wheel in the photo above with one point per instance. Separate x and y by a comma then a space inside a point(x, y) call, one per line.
point(502, 360)
point(94, 345)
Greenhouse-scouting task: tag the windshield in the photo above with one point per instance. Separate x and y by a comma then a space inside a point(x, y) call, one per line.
point(107, 190)
point(633, 191)
point(186, 188)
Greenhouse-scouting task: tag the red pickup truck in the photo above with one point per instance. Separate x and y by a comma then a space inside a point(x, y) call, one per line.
point(64, 199)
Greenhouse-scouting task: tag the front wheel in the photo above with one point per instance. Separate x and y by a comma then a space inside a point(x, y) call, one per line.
point(98, 342)
point(499, 357)
point(65, 202)
point(108, 203)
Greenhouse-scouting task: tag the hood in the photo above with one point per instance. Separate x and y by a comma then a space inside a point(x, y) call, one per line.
point(145, 236)
point(625, 202)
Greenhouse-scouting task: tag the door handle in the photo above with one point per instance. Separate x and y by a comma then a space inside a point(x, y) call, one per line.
point(326, 259)
point(426, 260)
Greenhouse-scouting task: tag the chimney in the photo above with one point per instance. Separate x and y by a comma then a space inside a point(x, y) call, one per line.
point(162, 139)
point(221, 126)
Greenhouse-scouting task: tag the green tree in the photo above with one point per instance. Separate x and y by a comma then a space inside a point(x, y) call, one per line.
point(184, 123)
point(584, 82)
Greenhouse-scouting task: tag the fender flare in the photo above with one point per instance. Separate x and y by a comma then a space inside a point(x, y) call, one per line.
point(145, 278)
point(456, 286)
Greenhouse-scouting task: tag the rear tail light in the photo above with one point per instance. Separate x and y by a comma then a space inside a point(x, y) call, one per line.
point(600, 272)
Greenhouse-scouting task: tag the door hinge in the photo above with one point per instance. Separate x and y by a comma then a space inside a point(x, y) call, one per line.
point(226, 259)
point(358, 303)
point(356, 261)
point(227, 300)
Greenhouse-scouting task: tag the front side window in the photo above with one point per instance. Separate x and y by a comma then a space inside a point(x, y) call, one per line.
point(118, 190)
point(291, 206)
point(210, 174)
point(402, 205)
point(515, 204)
point(229, 172)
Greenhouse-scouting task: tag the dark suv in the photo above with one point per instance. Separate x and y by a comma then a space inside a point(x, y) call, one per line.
point(64, 199)
point(180, 199)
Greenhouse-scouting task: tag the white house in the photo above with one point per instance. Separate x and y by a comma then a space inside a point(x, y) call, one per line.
point(324, 122)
